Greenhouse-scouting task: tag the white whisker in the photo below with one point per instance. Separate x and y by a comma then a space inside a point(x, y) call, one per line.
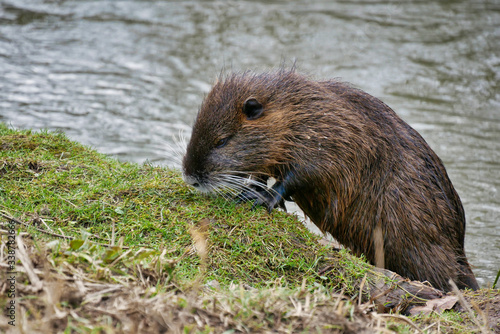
point(175, 149)
point(238, 185)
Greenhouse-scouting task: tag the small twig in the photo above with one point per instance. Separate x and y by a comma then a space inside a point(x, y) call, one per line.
point(44, 223)
point(119, 258)
point(74, 205)
point(362, 285)
point(430, 326)
point(381, 294)
point(140, 273)
point(28, 265)
point(61, 236)
point(36, 228)
point(113, 233)
point(111, 288)
point(60, 230)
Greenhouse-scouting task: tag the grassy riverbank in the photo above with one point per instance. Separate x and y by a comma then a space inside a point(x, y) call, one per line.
point(116, 247)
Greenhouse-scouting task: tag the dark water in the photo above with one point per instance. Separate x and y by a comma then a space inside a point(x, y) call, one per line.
point(124, 76)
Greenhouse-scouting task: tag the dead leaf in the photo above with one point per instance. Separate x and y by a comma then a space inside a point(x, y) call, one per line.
point(435, 305)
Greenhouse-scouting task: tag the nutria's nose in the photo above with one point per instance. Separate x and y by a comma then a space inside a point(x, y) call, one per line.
point(191, 181)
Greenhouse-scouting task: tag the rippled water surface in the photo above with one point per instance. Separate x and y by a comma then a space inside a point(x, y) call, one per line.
point(125, 76)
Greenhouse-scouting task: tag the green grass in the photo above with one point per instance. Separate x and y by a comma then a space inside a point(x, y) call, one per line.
point(160, 233)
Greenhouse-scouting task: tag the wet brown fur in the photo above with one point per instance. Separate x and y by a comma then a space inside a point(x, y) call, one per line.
point(354, 165)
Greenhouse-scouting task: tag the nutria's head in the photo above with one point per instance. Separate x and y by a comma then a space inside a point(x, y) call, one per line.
point(243, 128)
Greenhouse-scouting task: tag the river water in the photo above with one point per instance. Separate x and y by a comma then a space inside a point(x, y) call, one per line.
point(127, 76)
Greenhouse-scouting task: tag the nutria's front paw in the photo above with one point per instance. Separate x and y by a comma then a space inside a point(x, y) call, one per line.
point(250, 195)
point(263, 197)
point(270, 202)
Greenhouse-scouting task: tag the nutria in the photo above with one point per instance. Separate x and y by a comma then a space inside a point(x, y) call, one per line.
point(348, 161)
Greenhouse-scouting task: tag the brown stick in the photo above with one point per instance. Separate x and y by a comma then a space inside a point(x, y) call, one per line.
point(56, 234)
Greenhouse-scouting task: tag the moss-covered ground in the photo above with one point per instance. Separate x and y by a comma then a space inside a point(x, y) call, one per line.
point(114, 247)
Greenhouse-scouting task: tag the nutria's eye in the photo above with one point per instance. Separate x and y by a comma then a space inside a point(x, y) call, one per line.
point(252, 108)
point(222, 142)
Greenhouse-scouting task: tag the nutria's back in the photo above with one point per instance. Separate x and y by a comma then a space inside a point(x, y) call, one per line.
point(347, 160)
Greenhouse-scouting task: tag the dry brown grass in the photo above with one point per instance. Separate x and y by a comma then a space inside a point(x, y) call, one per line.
point(61, 290)
point(63, 295)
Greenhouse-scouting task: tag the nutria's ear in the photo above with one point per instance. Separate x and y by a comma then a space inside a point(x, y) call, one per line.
point(252, 108)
